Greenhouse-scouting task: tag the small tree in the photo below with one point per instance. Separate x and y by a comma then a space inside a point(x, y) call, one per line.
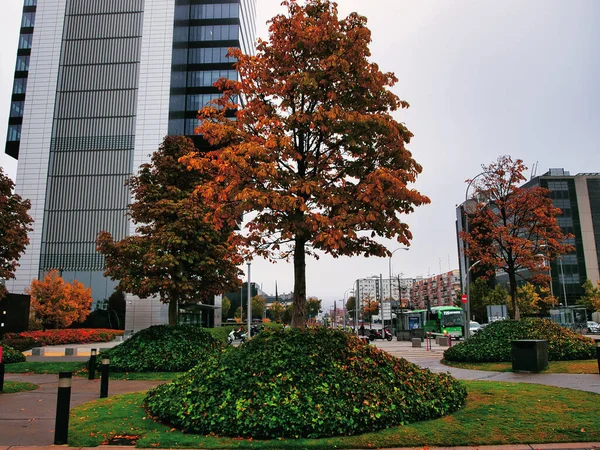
point(511, 228)
point(316, 153)
point(258, 304)
point(15, 223)
point(57, 304)
point(591, 298)
point(276, 310)
point(225, 305)
point(313, 307)
point(176, 253)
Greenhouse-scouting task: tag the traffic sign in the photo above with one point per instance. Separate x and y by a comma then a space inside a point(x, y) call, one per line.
point(464, 298)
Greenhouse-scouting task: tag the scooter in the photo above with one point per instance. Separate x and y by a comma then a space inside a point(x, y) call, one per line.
point(238, 334)
point(376, 334)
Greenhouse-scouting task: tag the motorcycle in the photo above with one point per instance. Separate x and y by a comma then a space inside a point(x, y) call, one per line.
point(376, 334)
point(235, 335)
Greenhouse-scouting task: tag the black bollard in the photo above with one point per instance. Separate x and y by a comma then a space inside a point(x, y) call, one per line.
point(63, 403)
point(598, 353)
point(92, 365)
point(104, 377)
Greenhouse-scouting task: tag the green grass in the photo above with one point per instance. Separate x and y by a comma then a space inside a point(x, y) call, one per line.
point(496, 413)
point(11, 387)
point(586, 366)
point(78, 368)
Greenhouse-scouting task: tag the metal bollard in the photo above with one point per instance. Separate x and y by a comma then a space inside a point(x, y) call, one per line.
point(598, 353)
point(104, 377)
point(63, 402)
point(92, 365)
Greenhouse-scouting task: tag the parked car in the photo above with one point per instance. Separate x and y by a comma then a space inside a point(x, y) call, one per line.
point(474, 327)
point(593, 327)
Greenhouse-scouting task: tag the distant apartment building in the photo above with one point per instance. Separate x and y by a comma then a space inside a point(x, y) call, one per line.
point(437, 290)
point(376, 289)
point(578, 197)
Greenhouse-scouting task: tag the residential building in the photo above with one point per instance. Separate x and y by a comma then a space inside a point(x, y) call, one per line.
point(436, 290)
point(98, 84)
point(578, 197)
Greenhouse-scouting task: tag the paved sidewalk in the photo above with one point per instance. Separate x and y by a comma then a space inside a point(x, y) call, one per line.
point(27, 418)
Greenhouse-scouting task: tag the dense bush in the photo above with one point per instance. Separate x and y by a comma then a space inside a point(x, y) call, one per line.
point(67, 336)
point(303, 383)
point(493, 343)
point(10, 355)
point(21, 344)
point(162, 348)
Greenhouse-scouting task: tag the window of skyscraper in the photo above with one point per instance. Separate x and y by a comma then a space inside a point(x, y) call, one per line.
point(14, 133)
point(22, 63)
point(28, 19)
point(20, 86)
point(25, 41)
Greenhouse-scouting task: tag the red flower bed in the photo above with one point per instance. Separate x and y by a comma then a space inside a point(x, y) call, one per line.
point(68, 336)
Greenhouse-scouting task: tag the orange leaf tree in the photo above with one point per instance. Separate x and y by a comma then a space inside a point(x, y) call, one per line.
point(56, 303)
point(176, 253)
point(513, 229)
point(15, 223)
point(315, 153)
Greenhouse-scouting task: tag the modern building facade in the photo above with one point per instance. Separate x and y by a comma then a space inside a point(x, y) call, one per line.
point(98, 84)
point(578, 197)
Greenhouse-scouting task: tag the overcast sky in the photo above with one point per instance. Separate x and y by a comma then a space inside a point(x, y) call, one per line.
point(484, 78)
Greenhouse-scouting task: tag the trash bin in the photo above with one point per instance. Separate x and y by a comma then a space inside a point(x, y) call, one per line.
point(529, 355)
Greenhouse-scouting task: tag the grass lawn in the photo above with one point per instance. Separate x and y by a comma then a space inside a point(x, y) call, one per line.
point(11, 387)
point(496, 413)
point(587, 366)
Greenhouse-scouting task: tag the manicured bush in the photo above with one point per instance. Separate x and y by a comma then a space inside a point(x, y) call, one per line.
point(20, 344)
point(10, 355)
point(494, 342)
point(308, 383)
point(162, 348)
point(68, 336)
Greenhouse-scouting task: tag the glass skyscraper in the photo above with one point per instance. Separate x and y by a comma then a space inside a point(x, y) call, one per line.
point(98, 84)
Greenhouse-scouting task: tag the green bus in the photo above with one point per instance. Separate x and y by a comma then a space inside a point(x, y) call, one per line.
point(442, 319)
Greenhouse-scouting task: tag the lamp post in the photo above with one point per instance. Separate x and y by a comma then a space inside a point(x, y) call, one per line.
point(249, 307)
point(345, 301)
point(390, 274)
point(467, 268)
point(562, 276)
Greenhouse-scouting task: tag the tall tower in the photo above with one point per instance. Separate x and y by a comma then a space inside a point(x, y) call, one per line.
point(98, 84)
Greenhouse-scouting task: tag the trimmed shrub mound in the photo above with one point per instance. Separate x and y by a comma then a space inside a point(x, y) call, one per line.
point(162, 348)
point(493, 343)
point(303, 383)
point(10, 355)
point(67, 336)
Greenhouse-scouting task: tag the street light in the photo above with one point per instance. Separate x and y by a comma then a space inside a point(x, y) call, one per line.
point(467, 287)
point(390, 273)
point(345, 300)
point(562, 276)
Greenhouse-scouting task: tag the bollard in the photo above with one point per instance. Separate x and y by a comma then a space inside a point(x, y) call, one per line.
point(92, 365)
point(104, 377)
point(598, 353)
point(63, 401)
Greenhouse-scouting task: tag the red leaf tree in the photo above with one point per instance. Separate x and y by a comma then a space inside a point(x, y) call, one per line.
point(56, 303)
point(15, 223)
point(315, 153)
point(511, 228)
point(176, 253)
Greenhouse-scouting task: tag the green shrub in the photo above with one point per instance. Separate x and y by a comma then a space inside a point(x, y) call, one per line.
point(494, 342)
point(162, 348)
point(303, 383)
point(10, 355)
point(21, 344)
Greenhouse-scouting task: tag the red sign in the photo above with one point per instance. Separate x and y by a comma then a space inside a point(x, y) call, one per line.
point(464, 298)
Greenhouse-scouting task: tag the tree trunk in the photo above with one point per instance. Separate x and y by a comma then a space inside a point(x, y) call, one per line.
point(173, 310)
point(512, 280)
point(299, 309)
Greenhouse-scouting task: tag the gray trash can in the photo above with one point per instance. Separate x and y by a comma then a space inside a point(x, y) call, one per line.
point(529, 355)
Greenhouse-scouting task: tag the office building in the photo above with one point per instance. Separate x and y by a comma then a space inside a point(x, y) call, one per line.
point(578, 197)
point(98, 84)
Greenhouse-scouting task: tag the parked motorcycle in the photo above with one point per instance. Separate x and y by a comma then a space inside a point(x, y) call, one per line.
point(376, 334)
point(236, 334)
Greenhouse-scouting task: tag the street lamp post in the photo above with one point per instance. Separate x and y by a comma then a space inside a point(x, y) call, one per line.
point(249, 307)
point(562, 277)
point(345, 300)
point(390, 274)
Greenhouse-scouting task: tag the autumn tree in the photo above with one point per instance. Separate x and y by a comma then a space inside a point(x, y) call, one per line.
point(225, 306)
point(56, 303)
point(315, 153)
point(176, 253)
point(276, 310)
point(512, 229)
point(591, 298)
point(258, 305)
point(15, 223)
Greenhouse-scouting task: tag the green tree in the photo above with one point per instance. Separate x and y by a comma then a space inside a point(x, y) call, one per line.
point(225, 305)
point(240, 313)
point(176, 253)
point(15, 223)
point(528, 299)
point(313, 307)
point(258, 306)
point(316, 153)
point(276, 310)
point(591, 298)
point(350, 303)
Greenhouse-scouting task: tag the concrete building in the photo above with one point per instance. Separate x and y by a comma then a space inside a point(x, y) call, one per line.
point(98, 84)
point(437, 290)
